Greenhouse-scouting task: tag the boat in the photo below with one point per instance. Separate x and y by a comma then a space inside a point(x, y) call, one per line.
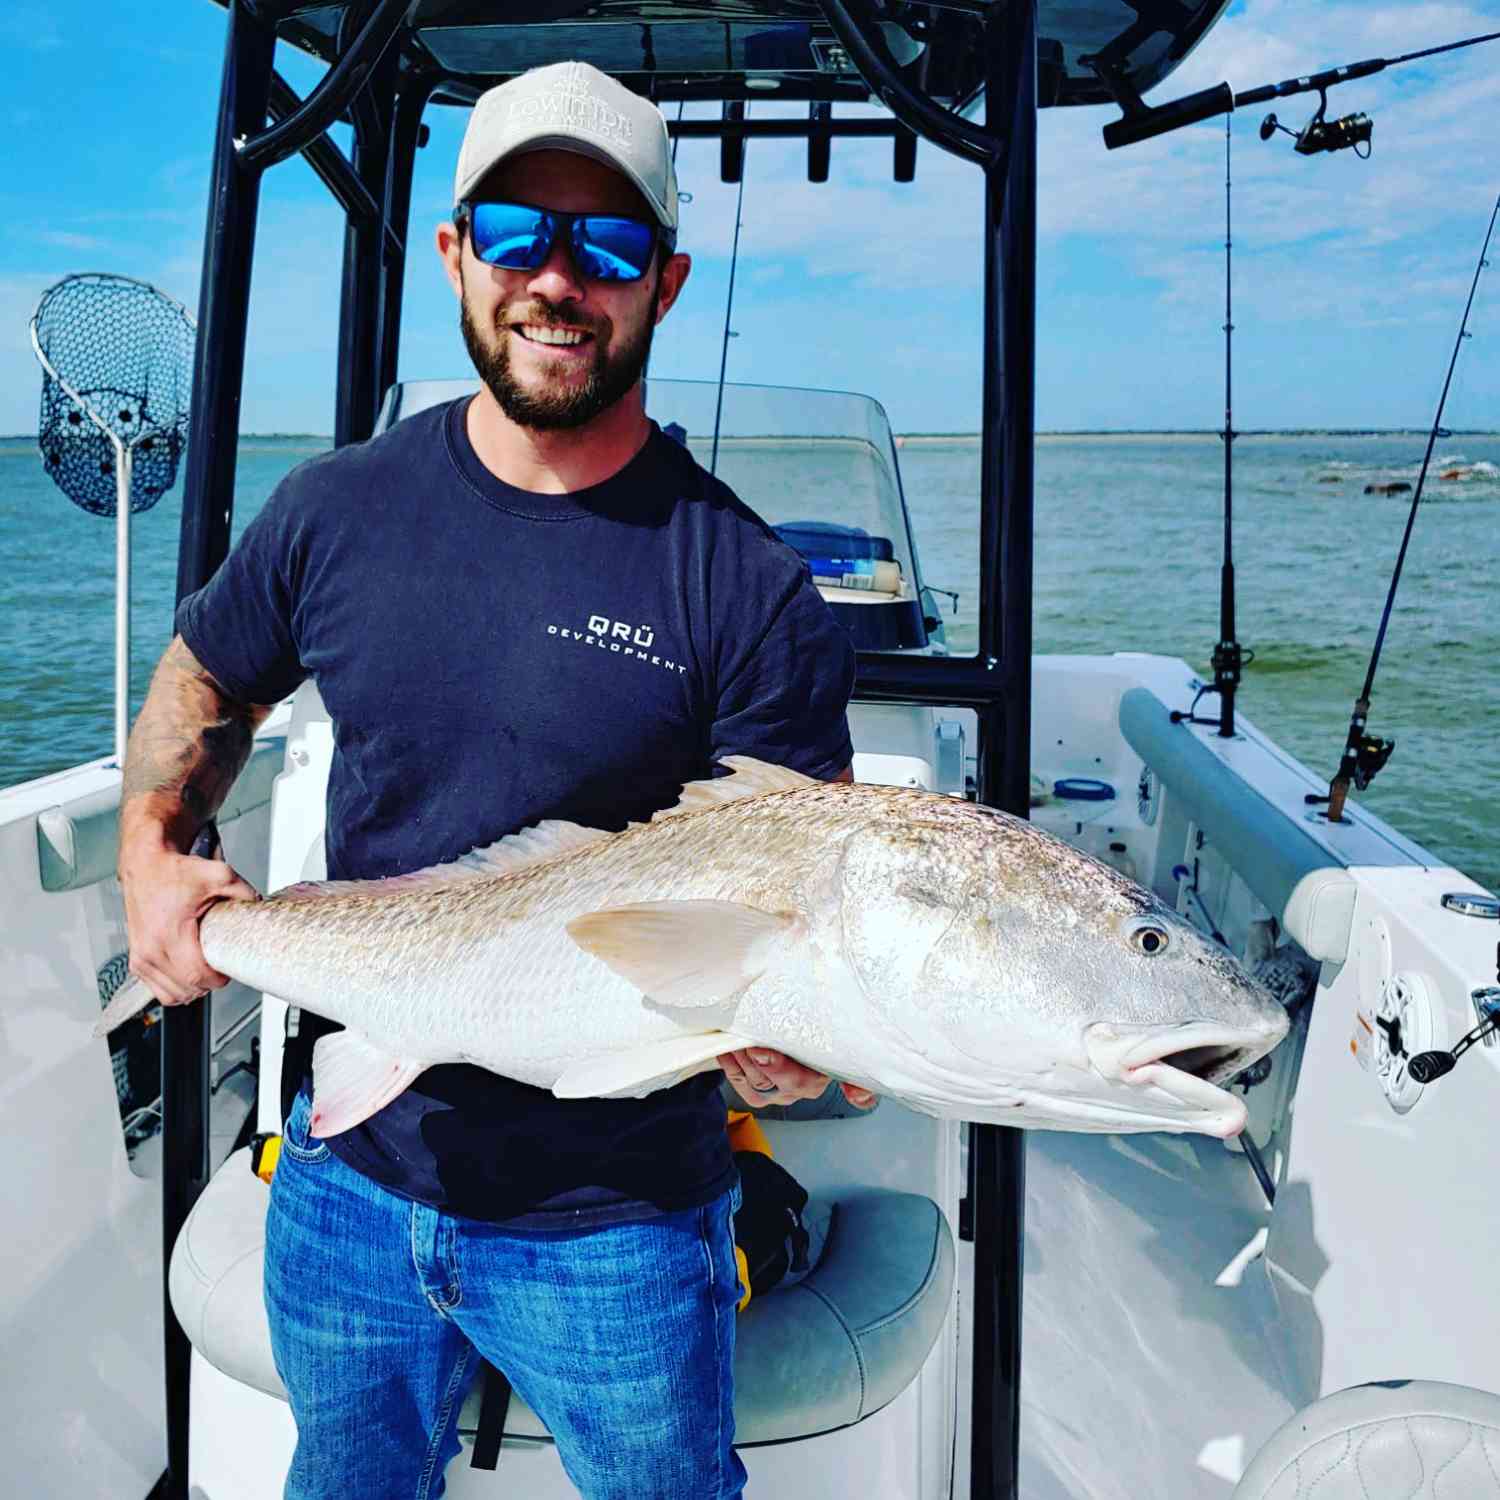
point(1050, 1316)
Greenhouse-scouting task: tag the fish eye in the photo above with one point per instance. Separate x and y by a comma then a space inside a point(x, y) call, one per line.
point(1150, 938)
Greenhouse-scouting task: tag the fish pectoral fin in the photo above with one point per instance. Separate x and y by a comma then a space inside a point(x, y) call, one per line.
point(352, 1079)
point(686, 954)
point(653, 1065)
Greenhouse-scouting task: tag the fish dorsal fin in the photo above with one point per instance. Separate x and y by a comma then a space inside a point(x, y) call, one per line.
point(752, 778)
point(525, 850)
point(547, 841)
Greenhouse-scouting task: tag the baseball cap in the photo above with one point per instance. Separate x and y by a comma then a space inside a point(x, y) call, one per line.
point(571, 106)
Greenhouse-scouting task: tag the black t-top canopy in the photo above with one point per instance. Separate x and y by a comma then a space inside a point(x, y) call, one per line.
point(773, 49)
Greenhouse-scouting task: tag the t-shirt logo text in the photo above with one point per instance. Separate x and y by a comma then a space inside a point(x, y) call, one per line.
point(621, 638)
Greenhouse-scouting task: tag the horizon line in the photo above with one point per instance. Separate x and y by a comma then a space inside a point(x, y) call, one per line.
point(1450, 432)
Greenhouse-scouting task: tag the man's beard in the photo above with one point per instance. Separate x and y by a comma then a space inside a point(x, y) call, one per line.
point(552, 407)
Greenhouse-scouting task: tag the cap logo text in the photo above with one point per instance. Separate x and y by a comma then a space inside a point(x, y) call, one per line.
point(570, 105)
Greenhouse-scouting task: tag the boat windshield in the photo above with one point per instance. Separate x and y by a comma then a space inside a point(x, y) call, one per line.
point(821, 467)
point(791, 454)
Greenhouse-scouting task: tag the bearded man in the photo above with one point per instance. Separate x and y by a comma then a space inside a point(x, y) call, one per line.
point(522, 605)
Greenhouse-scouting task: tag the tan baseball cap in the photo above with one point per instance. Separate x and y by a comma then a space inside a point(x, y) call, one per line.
point(572, 106)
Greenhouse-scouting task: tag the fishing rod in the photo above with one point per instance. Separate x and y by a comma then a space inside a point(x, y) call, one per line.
point(734, 260)
point(1365, 754)
point(1229, 657)
point(1140, 122)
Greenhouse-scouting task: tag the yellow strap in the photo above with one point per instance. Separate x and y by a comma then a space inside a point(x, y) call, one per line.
point(745, 1133)
point(265, 1157)
point(744, 1271)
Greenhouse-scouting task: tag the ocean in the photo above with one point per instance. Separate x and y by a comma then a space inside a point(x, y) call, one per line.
point(1128, 551)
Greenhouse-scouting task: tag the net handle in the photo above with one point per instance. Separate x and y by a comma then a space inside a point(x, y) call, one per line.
point(124, 465)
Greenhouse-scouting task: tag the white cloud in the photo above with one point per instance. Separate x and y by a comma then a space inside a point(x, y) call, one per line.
point(1329, 243)
point(65, 239)
point(1330, 237)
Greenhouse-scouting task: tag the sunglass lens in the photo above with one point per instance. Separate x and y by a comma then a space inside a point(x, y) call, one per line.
point(611, 249)
point(511, 235)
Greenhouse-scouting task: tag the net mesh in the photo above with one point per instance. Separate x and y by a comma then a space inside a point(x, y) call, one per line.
point(127, 351)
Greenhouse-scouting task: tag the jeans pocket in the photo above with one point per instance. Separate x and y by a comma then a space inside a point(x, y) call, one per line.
point(297, 1140)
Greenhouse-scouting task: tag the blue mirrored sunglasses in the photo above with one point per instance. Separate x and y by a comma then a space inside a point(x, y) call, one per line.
point(517, 237)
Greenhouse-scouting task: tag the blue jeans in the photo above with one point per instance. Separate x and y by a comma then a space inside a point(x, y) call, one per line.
point(621, 1339)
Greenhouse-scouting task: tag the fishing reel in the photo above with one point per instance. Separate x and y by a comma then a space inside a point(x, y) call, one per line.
point(1370, 756)
point(1347, 133)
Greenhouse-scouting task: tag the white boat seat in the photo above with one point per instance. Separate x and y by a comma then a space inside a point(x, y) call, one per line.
point(1311, 893)
point(822, 1354)
point(78, 845)
point(1398, 1440)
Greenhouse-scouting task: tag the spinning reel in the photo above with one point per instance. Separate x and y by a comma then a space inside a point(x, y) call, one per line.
point(1347, 133)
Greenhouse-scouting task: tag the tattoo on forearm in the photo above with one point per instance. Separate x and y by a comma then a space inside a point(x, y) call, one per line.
point(190, 741)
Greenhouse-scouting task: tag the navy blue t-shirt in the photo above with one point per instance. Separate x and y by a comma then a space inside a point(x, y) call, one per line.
point(491, 657)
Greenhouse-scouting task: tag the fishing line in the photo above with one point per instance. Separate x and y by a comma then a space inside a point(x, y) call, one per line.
point(734, 260)
point(1365, 754)
point(1258, 1166)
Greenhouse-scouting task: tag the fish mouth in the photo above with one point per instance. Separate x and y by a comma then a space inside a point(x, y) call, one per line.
point(1211, 1054)
point(1187, 1063)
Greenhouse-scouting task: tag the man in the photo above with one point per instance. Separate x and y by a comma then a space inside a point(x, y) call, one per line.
point(526, 605)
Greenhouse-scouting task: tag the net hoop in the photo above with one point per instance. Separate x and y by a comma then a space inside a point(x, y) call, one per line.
point(116, 356)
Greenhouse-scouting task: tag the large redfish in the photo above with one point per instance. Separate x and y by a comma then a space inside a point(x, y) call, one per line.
point(938, 952)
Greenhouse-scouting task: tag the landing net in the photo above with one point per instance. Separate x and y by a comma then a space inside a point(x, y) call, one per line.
point(117, 359)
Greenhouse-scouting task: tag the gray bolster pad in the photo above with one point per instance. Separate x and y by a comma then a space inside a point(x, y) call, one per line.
point(1283, 864)
point(839, 1345)
point(852, 1336)
point(822, 1354)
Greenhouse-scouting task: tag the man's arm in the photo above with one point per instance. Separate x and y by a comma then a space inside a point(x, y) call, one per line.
point(190, 742)
point(761, 1076)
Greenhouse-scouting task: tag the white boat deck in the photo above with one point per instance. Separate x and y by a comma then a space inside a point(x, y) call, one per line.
point(1173, 1320)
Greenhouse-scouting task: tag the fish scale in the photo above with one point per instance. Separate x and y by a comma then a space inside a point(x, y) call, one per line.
point(923, 946)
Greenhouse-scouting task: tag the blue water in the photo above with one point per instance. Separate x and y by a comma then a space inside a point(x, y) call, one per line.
point(1129, 533)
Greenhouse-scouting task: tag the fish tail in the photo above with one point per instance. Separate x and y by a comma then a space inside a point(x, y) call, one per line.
point(130, 1000)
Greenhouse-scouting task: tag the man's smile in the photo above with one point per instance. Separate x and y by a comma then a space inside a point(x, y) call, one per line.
point(551, 338)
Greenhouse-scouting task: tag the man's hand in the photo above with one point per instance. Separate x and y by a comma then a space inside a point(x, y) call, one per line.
point(188, 745)
point(761, 1076)
point(166, 894)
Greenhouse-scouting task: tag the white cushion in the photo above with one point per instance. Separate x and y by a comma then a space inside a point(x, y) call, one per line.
point(1399, 1440)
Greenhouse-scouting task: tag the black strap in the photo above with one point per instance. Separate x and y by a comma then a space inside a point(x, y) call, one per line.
point(493, 1405)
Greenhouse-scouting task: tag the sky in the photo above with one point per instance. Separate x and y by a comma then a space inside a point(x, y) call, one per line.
point(1350, 276)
